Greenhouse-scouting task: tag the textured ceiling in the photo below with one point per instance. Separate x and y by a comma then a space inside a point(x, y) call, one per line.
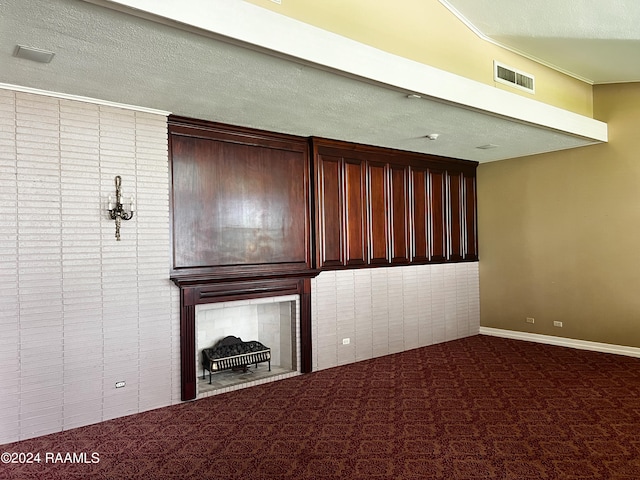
point(111, 55)
point(594, 40)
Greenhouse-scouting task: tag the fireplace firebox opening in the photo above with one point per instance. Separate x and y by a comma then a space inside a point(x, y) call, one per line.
point(269, 323)
point(197, 290)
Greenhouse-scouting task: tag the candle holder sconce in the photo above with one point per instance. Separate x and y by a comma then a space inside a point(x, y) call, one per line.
point(117, 211)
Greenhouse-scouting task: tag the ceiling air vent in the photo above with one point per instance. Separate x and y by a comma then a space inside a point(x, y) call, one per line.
point(515, 78)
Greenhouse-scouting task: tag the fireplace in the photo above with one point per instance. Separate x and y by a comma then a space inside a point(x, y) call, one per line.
point(241, 222)
point(201, 293)
point(246, 342)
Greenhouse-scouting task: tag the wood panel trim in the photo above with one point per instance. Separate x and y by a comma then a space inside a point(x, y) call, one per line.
point(397, 157)
point(471, 219)
point(322, 197)
point(399, 235)
point(372, 216)
point(437, 225)
point(187, 350)
point(455, 216)
point(191, 127)
point(419, 213)
point(350, 225)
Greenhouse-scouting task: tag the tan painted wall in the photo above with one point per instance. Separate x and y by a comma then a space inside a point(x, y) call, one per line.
point(560, 233)
point(425, 31)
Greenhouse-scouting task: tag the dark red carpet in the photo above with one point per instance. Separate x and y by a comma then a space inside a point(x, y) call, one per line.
point(476, 408)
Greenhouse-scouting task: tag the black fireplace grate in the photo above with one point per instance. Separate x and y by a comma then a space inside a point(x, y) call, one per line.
point(232, 352)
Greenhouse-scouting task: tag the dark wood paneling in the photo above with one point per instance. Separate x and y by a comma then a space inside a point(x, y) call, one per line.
point(471, 224)
point(330, 211)
point(437, 215)
point(241, 201)
point(401, 207)
point(356, 213)
point(456, 218)
point(378, 199)
point(236, 204)
point(400, 214)
point(419, 216)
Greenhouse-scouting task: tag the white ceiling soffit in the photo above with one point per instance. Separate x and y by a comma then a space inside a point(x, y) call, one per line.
point(594, 40)
point(200, 58)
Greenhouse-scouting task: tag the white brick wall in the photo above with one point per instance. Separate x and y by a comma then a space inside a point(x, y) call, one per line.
point(389, 310)
point(9, 306)
point(80, 310)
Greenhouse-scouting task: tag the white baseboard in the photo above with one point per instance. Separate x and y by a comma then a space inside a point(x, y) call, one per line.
point(563, 342)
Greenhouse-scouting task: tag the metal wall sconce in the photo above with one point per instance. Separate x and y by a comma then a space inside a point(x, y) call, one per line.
point(117, 212)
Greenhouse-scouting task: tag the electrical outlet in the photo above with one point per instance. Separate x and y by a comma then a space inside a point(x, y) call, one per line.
point(557, 324)
point(120, 384)
point(346, 341)
point(531, 320)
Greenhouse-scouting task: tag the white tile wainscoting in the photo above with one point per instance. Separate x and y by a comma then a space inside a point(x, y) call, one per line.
point(389, 310)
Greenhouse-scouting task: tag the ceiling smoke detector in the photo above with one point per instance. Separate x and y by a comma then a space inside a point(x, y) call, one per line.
point(432, 136)
point(33, 54)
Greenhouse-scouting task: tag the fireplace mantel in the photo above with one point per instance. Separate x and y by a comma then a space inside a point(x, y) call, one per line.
point(199, 290)
point(237, 275)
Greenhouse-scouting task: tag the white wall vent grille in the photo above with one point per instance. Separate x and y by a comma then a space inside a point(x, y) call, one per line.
point(515, 78)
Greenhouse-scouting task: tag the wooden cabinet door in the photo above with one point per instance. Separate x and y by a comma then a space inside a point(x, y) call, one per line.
point(438, 223)
point(400, 219)
point(330, 212)
point(455, 205)
point(378, 213)
point(355, 212)
point(419, 215)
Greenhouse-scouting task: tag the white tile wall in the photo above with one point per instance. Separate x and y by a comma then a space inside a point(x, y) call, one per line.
point(217, 320)
point(9, 305)
point(81, 311)
point(388, 310)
